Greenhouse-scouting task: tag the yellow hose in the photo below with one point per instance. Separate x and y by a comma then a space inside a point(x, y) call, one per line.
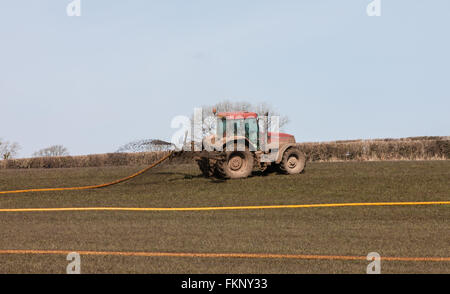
point(219, 255)
point(92, 186)
point(319, 205)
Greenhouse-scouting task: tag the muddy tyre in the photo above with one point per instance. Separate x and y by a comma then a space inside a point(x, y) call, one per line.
point(293, 161)
point(236, 165)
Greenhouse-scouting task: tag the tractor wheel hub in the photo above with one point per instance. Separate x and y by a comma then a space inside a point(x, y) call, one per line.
point(236, 163)
point(292, 162)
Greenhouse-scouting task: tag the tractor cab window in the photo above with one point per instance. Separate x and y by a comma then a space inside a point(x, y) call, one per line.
point(248, 127)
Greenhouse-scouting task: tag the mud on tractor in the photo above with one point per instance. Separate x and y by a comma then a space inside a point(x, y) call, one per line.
point(242, 144)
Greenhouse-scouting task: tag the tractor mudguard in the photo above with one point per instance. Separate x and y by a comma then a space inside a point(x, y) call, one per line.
point(282, 149)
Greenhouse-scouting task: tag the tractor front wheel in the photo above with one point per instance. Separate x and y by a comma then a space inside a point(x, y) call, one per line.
point(293, 161)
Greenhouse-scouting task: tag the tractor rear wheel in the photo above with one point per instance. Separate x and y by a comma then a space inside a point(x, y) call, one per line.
point(293, 161)
point(237, 164)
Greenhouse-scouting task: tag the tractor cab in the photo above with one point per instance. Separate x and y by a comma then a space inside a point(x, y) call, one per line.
point(247, 124)
point(235, 124)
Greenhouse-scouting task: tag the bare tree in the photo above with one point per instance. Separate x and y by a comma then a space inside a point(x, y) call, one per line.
point(55, 150)
point(146, 145)
point(8, 150)
point(227, 106)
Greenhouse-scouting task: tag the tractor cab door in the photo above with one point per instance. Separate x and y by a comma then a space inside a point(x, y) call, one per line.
point(251, 132)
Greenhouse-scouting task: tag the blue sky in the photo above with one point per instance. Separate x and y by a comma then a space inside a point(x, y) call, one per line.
point(123, 69)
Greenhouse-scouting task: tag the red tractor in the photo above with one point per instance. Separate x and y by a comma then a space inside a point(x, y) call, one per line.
point(242, 144)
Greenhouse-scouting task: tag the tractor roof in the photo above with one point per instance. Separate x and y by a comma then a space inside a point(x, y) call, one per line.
point(237, 115)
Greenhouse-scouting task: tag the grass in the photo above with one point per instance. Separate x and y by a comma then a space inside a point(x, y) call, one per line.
point(415, 231)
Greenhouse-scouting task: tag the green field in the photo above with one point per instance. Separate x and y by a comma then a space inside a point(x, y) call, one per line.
point(399, 231)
